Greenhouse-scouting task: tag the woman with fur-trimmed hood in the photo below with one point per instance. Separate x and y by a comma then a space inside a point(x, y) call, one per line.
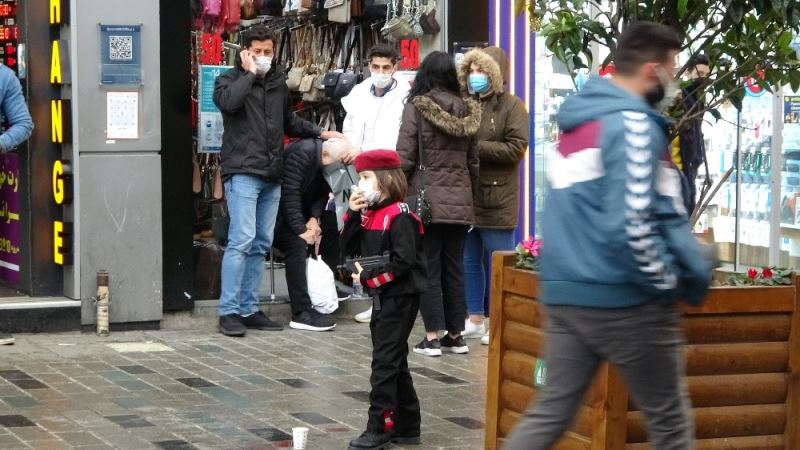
point(447, 124)
point(501, 143)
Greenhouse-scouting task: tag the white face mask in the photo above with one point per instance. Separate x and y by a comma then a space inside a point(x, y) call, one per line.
point(381, 80)
point(371, 195)
point(263, 64)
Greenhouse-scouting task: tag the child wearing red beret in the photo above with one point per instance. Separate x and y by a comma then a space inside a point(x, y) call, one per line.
point(378, 221)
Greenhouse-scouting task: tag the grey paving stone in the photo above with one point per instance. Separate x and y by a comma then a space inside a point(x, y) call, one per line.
point(313, 418)
point(229, 388)
point(196, 382)
point(175, 445)
point(130, 421)
point(9, 441)
point(296, 383)
point(79, 438)
point(22, 401)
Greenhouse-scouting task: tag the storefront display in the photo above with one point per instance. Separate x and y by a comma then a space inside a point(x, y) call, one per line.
point(323, 59)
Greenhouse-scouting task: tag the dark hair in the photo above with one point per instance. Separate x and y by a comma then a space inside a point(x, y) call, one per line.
point(644, 42)
point(258, 34)
point(698, 59)
point(383, 51)
point(436, 71)
point(393, 183)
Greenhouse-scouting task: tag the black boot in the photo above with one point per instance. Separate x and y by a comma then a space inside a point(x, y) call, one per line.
point(370, 440)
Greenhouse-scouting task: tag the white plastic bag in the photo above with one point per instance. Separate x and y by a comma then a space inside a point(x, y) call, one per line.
point(321, 286)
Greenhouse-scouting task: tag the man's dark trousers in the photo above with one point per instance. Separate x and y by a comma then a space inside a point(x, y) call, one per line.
point(295, 251)
point(392, 388)
point(644, 342)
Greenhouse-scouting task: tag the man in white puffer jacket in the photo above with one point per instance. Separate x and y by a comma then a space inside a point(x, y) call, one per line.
point(374, 108)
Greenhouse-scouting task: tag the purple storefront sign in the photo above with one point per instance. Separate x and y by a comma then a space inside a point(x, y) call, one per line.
point(10, 257)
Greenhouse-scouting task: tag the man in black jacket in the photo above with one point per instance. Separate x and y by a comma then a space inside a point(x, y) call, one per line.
point(305, 195)
point(257, 112)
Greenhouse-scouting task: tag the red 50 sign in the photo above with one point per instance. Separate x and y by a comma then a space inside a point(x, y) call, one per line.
point(409, 52)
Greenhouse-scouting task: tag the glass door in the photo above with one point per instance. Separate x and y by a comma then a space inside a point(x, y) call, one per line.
point(790, 181)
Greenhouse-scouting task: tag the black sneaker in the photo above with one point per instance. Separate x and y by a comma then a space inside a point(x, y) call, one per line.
point(6, 339)
point(454, 345)
point(429, 348)
point(370, 440)
point(231, 325)
point(312, 321)
point(260, 321)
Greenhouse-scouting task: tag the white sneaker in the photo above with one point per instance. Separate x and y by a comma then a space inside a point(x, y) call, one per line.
point(472, 331)
point(485, 339)
point(364, 317)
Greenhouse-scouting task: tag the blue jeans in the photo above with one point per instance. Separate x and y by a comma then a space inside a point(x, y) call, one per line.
point(481, 243)
point(253, 207)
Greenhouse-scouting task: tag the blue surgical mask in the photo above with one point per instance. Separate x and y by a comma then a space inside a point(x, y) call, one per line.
point(478, 82)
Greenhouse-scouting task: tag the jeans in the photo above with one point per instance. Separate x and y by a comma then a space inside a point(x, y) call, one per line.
point(252, 207)
point(481, 243)
point(443, 306)
point(644, 342)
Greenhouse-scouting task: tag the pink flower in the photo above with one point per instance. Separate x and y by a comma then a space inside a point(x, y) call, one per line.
point(536, 248)
point(752, 273)
point(767, 272)
point(533, 246)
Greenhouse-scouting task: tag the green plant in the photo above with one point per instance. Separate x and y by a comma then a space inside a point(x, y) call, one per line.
point(528, 254)
point(743, 39)
point(769, 276)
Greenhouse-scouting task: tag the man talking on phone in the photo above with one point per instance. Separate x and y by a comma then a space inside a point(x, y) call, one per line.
point(256, 112)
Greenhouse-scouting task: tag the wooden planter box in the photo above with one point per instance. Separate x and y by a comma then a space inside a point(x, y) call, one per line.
point(743, 367)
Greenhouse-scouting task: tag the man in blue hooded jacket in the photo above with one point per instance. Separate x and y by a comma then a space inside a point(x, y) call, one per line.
point(13, 111)
point(617, 249)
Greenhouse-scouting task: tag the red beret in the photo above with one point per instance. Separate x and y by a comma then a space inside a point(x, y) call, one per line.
point(377, 160)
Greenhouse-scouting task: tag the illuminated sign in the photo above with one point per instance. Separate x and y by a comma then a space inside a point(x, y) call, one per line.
point(59, 12)
point(62, 238)
point(62, 182)
point(60, 130)
point(9, 34)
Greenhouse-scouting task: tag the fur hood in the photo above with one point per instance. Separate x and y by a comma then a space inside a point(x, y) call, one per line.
point(430, 106)
point(487, 64)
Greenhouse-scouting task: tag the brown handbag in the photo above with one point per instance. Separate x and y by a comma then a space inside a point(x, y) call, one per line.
point(428, 19)
point(219, 191)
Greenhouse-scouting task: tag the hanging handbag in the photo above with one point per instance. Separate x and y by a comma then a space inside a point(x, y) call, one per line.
point(348, 80)
point(419, 202)
point(339, 10)
point(415, 16)
point(218, 192)
point(212, 9)
point(398, 27)
point(207, 180)
point(273, 7)
point(428, 20)
point(294, 75)
point(356, 8)
point(375, 9)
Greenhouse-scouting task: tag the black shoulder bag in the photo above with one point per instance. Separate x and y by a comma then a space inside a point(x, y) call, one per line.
point(419, 202)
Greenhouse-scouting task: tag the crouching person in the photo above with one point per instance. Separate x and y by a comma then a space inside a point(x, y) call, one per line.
point(377, 222)
point(304, 194)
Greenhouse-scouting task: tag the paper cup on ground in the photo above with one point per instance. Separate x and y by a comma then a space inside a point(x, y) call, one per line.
point(299, 436)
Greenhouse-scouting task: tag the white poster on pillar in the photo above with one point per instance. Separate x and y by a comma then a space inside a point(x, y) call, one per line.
point(122, 115)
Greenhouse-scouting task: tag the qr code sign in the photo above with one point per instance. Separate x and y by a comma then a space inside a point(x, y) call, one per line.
point(120, 48)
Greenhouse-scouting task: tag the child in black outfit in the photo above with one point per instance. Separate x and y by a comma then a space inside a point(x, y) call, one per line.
point(379, 221)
